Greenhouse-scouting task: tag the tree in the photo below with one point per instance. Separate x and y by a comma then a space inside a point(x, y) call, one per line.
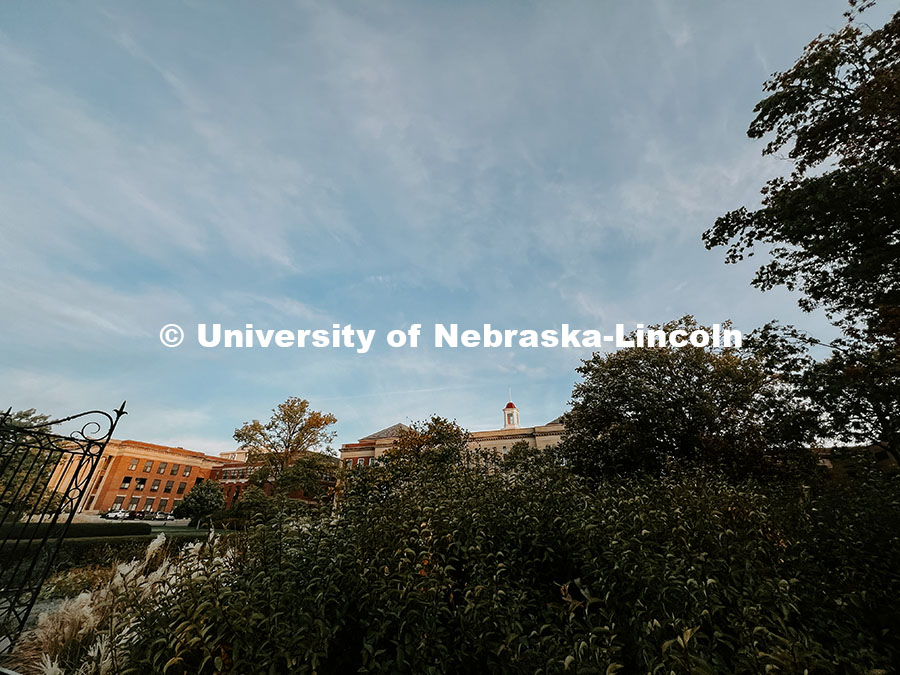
point(254, 502)
point(285, 447)
point(433, 448)
point(201, 502)
point(647, 408)
point(834, 222)
point(856, 389)
point(437, 440)
point(25, 473)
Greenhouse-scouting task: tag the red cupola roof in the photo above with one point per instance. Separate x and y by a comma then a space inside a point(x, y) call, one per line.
point(510, 405)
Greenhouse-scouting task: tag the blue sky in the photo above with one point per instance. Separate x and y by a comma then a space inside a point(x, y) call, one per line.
point(295, 164)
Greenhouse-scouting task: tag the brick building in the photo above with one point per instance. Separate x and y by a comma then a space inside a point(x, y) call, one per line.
point(136, 476)
point(234, 478)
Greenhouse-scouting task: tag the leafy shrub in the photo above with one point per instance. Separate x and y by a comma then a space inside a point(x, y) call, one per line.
point(523, 567)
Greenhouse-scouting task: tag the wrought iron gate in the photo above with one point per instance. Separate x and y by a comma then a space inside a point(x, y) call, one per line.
point(44, 476)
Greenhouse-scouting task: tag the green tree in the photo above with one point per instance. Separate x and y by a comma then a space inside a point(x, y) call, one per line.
point(26, 473)
point(856, 389)
point(437, 439)
point(254, 502)
point(833, 225)
point(288, 449)
point(648, 408)
point(201, 502)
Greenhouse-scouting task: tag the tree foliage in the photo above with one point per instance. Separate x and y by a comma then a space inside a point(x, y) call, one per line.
point(834, 222)
point(288, 449)
point(203, 500)
point(436, 439)
point(647, 408)
point(25, 466)
point(855, 390)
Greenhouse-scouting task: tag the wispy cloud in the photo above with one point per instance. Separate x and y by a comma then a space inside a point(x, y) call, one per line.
point(381, 164)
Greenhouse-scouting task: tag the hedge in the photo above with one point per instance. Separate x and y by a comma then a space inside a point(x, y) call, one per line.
point(75, 531)
point(523, 569)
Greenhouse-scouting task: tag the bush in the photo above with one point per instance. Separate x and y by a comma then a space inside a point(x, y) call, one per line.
point(524, 567)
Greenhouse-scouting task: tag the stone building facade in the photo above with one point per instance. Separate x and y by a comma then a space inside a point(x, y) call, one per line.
point(367, 450)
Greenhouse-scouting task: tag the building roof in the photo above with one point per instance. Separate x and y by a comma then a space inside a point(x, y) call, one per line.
point(510, 405)
point(123, 445)
point(390, 432)
point(558, 420)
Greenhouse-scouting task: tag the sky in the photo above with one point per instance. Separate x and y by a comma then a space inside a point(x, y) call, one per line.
point(298, 164)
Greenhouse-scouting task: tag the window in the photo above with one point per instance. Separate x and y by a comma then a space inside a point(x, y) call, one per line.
point(163, 503)
point(139, 484)
point(117, 505)
point(148, 504)
point(161, 468)
point(148, 466)
point(132, 505)
point(187, 470)
point(181, 487)
point(126, 483)
point(133, 465)
point(169, 484)
point(154, 486)
point(175, 504)
point(175, 468)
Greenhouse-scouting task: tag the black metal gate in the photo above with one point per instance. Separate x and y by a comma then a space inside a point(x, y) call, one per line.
point(44, 476)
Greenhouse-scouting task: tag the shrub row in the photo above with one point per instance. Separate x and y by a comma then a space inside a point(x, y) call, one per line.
point(75, 530)
point(524, 568)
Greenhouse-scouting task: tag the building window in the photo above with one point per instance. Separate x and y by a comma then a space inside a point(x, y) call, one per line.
point(126, 483)
point(133, 465)
point(117, 504)
point(163, 503)
point(132, 505)
point(154, 486)
point(187, 470)
point(148, 466)
point(148, 505)
point(175, 468)
point(169, 484)
point(181, 487)
point(175, 504)
point(139, 484)
point(161, 468)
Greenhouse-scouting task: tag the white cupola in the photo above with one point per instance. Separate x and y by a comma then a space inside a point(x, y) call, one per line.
point(510, 416)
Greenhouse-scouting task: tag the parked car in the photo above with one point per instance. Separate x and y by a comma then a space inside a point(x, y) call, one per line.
point(116, 515)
